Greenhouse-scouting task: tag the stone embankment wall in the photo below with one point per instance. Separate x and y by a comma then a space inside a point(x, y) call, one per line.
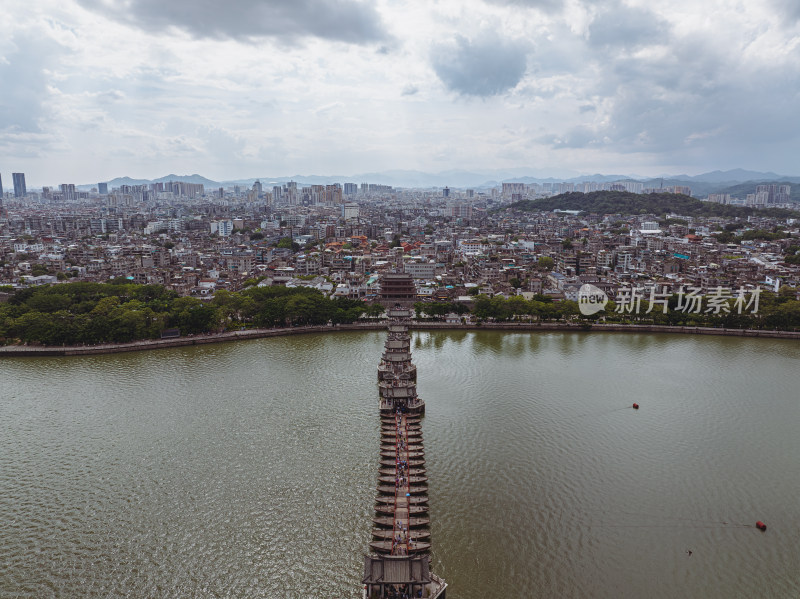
point(612, 328)
point(111, 348)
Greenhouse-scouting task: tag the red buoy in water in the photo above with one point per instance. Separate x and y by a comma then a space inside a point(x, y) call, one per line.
point(636, 406)
point(761, 526)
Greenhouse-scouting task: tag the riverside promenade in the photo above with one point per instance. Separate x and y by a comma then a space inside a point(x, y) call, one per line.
point(111, 348)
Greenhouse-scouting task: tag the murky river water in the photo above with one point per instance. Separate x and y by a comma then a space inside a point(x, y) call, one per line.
point(248, 469)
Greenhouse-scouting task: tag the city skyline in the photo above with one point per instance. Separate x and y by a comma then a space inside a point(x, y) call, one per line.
point(471, 181)
point(98, 91)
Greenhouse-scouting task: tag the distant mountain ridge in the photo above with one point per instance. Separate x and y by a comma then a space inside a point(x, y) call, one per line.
point(737, 174)
point(702, 184)
point(130, 181)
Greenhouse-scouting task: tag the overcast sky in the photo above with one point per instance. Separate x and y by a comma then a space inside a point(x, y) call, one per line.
point(93, 89)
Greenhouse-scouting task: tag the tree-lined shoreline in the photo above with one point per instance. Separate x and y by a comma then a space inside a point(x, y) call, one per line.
point(120, 312)
point(78, 315)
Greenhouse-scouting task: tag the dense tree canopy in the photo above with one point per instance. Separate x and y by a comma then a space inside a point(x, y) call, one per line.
point(77, 313)
point(91, 313)
point(623, 202)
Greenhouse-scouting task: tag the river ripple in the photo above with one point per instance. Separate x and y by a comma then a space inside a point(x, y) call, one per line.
point(248, 469)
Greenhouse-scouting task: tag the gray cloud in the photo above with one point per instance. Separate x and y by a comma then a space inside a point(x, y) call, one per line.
point(577, 137)
point(694, 65)
point(110, 96)
point(551, 6)
point(789, 9)
point(693, 104)
point(22, 101)
point(409, 90)
point(627, 26)
point(564, 52)
point(350, 21)
point(545, 5)
point(483, 67)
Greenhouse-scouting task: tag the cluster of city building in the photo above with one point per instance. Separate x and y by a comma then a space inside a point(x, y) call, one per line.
point(765, 195)
point(519, 191)
point(340, 239)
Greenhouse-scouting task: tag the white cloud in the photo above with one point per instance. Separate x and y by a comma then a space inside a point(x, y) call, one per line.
point(619, 85)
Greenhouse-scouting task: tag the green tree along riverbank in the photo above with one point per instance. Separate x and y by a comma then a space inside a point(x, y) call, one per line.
point(775, 312)
point(94, 313)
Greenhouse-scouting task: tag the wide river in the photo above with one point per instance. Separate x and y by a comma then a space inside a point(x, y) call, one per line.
point(249, 469)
